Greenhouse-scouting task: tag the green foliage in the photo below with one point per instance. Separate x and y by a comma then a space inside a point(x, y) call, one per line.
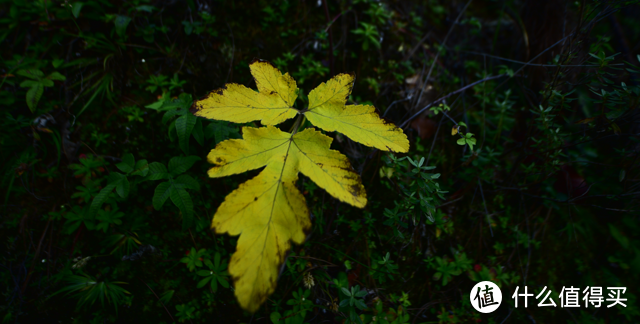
point(384, 269)
point(87, 167)
point(368, 35)
point(216, 273)
point(352, 302)
point(193, 259)
point(78, 216)
point(37, 84)
point(89, 290)
point(176, 185)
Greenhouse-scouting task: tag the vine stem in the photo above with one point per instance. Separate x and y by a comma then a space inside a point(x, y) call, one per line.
point(329, 22)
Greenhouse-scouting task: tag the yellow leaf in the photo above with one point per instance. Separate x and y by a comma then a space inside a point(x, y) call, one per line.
point(236, 103)
point(361, 123)
point(268, 211)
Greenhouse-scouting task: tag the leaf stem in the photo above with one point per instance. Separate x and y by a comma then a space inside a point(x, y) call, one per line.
point(296, 126)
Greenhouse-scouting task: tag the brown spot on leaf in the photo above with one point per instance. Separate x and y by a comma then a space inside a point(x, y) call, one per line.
point(197, 106)
point(357, 190)
point(353, 75)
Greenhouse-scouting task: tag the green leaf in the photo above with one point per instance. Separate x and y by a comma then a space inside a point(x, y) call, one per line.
point(29, 83)
point(161, 194)
point(157, 171)
point(186, 181)
point(56, 63)
point(345, 291)
point(75, 9)
point(141, 168)
point(203, 273)
point(223, 282)
point(171, 113)
point(182, 104)
point(621, 238)
point(182, 200)
point(198, 133)
point(275, 317)
point(166, 296)
point(156, 105)
point(31, 73)
point(56, 76)
point(47, 82)
point(172, 131)
point(188, 27)
point(146, 8)
point(204, 281)
point(121, 23)
point(220, 131)
point(128, 163)
point(123, 187)
point(184, 127)
point(101, 198)
point(33, 96)
point(180, 164)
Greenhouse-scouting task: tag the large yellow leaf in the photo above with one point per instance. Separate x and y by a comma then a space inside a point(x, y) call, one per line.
point(236, 103)
point(268, 211)
point(361, 123)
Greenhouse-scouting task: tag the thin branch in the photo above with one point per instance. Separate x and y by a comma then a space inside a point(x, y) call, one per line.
point(533, 64)
point(154, 293)
point(444, 42)
point(449, 95)
point(329, 22)
point(485, 207)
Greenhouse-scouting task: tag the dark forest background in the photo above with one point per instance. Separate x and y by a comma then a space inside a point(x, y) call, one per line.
point(538, 187)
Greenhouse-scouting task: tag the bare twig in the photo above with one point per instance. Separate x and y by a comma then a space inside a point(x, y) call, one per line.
point(329, 22)
point(485, 206)
point(533, 64)
point(449, 95)
point(444, 42)
point(154, 293)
